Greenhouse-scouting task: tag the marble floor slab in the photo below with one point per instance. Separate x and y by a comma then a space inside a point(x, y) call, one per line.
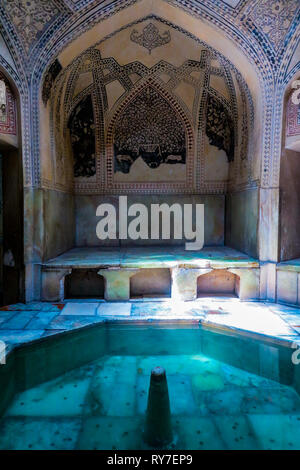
point(150, 257)
point(272, 320)
point(102, 405)
point(82, 308)
point(114, 309)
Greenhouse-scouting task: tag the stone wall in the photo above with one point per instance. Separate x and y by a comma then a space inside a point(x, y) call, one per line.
point(59, 228)
point(242, 221)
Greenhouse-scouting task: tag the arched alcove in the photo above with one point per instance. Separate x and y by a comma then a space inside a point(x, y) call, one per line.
point(150, 142)
point(290, 177)
point(11, 194)
point(151, 283)
point(171, 123)
point(129, 147)
point(218, 282)
point(83, 284)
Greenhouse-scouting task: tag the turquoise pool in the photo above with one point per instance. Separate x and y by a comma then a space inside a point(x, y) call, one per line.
point(226, 391)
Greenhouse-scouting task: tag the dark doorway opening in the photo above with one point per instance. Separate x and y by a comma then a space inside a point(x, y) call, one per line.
point(84, 284)
point(11, 223)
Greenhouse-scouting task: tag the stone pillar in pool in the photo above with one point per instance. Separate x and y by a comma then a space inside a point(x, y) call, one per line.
point(158, 427)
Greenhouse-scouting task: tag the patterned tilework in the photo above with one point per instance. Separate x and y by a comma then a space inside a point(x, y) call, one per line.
point(30, 17)
point(274, 18)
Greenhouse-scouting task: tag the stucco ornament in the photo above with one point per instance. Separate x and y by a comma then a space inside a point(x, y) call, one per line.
point(150, 37)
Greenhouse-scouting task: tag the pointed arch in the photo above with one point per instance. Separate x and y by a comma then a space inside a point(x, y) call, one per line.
point(162, 186)
point(224, 39)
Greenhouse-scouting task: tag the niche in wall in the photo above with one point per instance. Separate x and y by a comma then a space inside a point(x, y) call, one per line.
point(83, 284)
point(289, 182)
point(11, 199)
point(151, 283)
point(7, 108)
point(149, 141)
point(292, 141)
point(218, 282)
point(177, 121)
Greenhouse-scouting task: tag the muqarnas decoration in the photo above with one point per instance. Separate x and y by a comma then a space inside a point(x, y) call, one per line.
point(150, 37)
point(50, 77)
point(219, 127)
point(149, 128)
point(82, 132)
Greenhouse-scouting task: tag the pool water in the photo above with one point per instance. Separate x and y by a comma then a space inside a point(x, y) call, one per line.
point(102, 405)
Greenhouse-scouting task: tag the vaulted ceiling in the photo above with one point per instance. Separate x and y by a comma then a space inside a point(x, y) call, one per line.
point(29, 25)
point(260, 37)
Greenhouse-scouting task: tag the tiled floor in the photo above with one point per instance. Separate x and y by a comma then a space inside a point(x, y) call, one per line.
point(102, 405)
point(21, 323)
point(95, 406)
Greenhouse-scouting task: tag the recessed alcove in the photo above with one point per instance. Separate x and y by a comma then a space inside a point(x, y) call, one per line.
point(12, 275)
point(289, 181)
point(170, 128)
point(151, 283)
point(84, 284)
point(218, 282)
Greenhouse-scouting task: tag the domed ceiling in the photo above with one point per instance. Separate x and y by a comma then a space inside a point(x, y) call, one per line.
point(34, 22)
